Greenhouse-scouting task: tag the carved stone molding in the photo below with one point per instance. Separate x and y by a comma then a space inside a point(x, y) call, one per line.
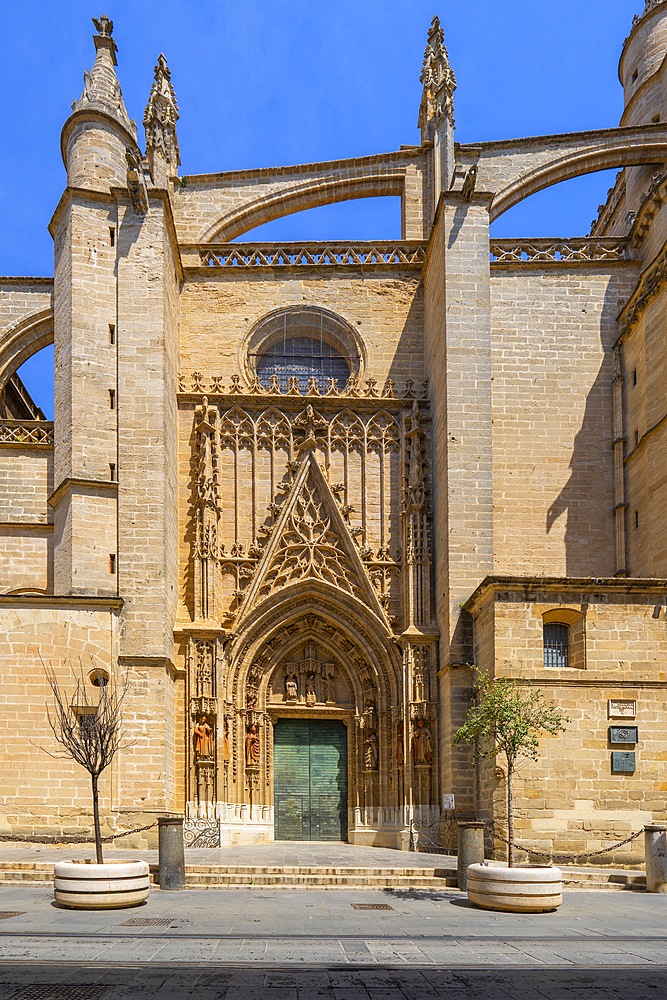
point(650, 285)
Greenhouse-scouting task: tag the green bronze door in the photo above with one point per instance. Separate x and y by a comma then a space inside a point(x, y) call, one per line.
point(310, 779)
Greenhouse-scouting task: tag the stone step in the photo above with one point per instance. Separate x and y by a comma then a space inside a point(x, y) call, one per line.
point(40, 874)
point(614, 880)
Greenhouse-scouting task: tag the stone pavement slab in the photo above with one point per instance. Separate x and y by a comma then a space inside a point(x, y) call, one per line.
point(76, 981)
point(321, 929)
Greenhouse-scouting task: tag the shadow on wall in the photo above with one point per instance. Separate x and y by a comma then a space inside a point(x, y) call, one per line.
point(587, 499)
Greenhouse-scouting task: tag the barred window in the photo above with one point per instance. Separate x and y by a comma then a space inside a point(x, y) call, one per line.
point(556, 644)
point(303, 358)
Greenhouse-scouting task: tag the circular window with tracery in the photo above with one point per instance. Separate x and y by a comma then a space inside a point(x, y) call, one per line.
point(308, 344)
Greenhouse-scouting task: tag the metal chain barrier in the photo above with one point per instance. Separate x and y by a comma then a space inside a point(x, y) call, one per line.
point(79, 840)
point(557, 854)
point(417, 837)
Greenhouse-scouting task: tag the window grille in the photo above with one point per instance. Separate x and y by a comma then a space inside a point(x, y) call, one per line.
point(556, 642)
point(303, 358)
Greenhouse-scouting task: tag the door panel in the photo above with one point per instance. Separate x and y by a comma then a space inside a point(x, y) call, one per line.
point(310, 774)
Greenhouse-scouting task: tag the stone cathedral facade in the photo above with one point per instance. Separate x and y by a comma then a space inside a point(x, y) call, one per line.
point(294, 492)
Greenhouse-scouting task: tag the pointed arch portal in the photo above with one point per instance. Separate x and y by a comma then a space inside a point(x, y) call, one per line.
point(313, 584)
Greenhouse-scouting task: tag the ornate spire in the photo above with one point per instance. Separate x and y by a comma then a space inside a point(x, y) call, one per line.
point(160, 119)
point(101, 89)
point(438, 80)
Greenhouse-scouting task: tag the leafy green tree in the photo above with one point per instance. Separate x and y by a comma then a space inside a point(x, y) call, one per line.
point(505, 718)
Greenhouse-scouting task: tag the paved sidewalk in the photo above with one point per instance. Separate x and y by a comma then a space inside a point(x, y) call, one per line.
point(315, 945)
point(287, 928)
point(277, 855)
point(76, 982)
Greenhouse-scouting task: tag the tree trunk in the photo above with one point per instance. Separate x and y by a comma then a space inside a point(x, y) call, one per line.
point(510, 815)
point(96, 818)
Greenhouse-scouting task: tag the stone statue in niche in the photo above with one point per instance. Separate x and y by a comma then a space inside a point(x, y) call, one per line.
point(422, 749)
point(400, 745)
point(328, 673)
point(291, 687)
point(204, 670)
point(252, 747)
point(371, 752)
point(203, 735)
point(311, 696)
point(205, 790)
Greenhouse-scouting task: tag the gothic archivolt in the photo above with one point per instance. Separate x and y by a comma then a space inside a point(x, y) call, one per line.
point(311, 595)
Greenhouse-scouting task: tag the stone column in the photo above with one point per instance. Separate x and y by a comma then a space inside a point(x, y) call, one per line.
point(655, 844)
point(470, 850)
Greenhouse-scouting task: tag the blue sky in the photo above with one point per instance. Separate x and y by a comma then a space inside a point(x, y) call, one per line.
point(269, 82)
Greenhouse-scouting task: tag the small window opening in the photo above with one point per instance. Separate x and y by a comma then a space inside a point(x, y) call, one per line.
point(86, 718)
point(636, 519)
point(655, 119)
point(635, 76)
point(112, 399)
point(636, 438)
point(112, 471)
point(112, 333)
point(634, 377)
point(112, 562)
point(112, 236)
point(556, 645)
point(98, 678)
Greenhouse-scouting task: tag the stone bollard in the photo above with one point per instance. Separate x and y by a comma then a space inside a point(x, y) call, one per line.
point(471, 849)
point(171, 853)
point(655, 846)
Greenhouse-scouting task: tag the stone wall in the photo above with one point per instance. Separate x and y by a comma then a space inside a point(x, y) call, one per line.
point(219, 310)
point(570, 799)
point(553, 330)
point(26, 529)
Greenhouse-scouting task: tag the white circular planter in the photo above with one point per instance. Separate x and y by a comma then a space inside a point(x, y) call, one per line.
point(85, 885)
point(524, 889)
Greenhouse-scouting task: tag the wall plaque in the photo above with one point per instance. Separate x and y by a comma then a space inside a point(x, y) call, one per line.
point(623, 734)
point(622, 708)
point(623, 763)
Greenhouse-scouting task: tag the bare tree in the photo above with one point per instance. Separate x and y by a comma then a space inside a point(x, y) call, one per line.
point(89, 731)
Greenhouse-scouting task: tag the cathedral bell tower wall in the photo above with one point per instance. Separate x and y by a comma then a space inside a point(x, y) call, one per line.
point(643, 74)
point(85, 455)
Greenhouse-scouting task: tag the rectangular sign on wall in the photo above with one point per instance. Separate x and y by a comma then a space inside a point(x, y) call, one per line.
point(623, 734)
point(623, 763)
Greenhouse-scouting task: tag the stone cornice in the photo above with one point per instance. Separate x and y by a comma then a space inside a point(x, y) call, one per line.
point(21, 280)
point(68, 196)
point(93, 485)
point(531, 587)
point(26, 526)
point(60, 601)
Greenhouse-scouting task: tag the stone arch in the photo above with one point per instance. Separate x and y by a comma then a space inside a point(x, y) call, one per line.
point(351, 621)
point(615, 152)
point(335, 330)
point(312, 194)
point(22, 340)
